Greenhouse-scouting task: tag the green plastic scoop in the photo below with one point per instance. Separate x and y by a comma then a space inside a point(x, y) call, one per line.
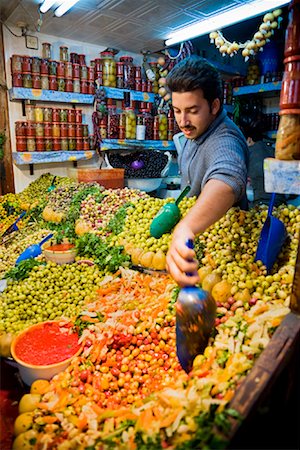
point(168, 216)
point(52, 186)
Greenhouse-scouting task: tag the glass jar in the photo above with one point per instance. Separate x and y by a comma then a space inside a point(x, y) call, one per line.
point(128, 72)
point(64, 144)
point(39, 114)
point(72, 144)
point(76, 71)
point(63, 115)
point(148, 122)
point(74, 59)
point(36, 81)
point(140, 128)
point(48, 129)
point(64, 127)
point(30, 131)
point(26, 63)
point(68, 66)
point(91, 73)
point(40, 144)
point(76, 85)
point(84, 87)
point(109, 69)
point(138, 84)
point(27, 80)
point(287, 145)
point(79, 144)
point(48, 144)
point(130, 123)
point(30, 144)
point(78, 130)
point(290, 88)
point(53, 68)
point(47, 114)
point(55, 115)
point(81, 60)
point(60, 69)
point(56, 129)
point(39, 129)
point(44, 82)
point(21, 144)
point(85, 130)
point(154, 68)
point(78, 116)
point(44, 67)
point(83, 73)
point(71, 115)
point(36, 65)
point(61, 84)
point(16, 63)
point(46, 50)
point(17, 79)
point(292, 34)
point(103, 127)
point(112, 122)
point(122, 123)
point(63, 53)
point(30, 111)
point(91, 87)
point(72, 130)
point(98, 65)
point(86, 143)
point(21, 128)
point(156, 128)
point(56, 145)
point(163, 126)
point(52, 83)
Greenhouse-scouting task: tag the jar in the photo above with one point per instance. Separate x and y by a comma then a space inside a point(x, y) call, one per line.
point(290, 88)
point(128, 72)
point(120, 76)
point(91, 73)
point(68, 66)
point(63, 115)
point(17, 79)
point(138, 72)
point(79, 144)
point(39, 129)
point(64, 144)
point(292, 34)
point(55, 115)
point(122, 123)
point(36, 81)
point(83, 73)
point(16, 63)
point(52, 83)
point(30, 111)
point(91, 87)
point(99, 78)
point(78, 130)
point(30, 131)
point(112, 122)
point(21, 144)
point(76, 71)
point(56, 129)
point(64, 127)
point(63, 53)
point(84, 87)
point(53, 67)
point(156, 128)
point(47, 129)
point(144, 86)
point(56, 145)
point(40, 144)
point(30, 144)
point(86, 143)
point(48, 144)
point(47, 114)
point(109, 69)
point(76, 85)
point(61, 84)
point(140, 128)
point(60, 69)
point(74, 58)
point(44, 82)
point(39, 114)
point(148, 122)
point(149, 86)
point(78, 116)
point(36, 65)
point(72, 130)
point(71, 115)
point(85, 130)
point(72, 144)
point(130, 123)
point(46, 50)
point(138, 85)
point(26, 64)
point(155, 70)
point(163, 126)
point(21, 128)
point(287, 145)
point(44, 67)
point(98, 65)
point(120, 82)
point(27, 80)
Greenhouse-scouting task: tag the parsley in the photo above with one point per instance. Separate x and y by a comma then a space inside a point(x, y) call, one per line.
point(116, 224)
point(23, 269)
point(148, 443)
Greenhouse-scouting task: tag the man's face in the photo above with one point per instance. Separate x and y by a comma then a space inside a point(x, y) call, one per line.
point(193, 113)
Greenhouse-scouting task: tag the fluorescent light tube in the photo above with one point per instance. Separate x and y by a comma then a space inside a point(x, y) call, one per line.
point(62, 9)
point(46, 5)
point(222, 20)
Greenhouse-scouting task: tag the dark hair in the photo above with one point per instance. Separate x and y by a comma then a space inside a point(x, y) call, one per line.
point(251, 128)
point(194, 73)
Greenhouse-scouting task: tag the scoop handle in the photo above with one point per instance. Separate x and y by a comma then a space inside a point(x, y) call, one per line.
point(45, 239)
point(271, 204)
point(185, 191)
point(190, 244)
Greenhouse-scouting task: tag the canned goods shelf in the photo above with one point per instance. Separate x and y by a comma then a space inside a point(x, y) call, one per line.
point(282, 177)
point(257, 88)
point(22, 158)
point(131, 144)
point(20, 93)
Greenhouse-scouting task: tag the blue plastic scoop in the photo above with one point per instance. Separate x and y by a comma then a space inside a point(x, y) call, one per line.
point(195, 319)
point(33, 250)
point(14, 226)
point(272, 238)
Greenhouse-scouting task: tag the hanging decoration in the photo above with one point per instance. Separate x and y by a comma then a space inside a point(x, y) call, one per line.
point(270, 22)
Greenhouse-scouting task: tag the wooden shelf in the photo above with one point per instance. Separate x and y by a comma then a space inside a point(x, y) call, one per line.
point(22, 158)
point(131, 144)
point(257, 88)
point(282, 177)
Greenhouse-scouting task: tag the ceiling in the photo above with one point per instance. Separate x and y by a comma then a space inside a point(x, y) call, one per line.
point(130, 25)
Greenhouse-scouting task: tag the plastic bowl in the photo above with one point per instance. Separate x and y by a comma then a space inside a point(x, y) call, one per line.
point(143, 184)
point(53, 254)
point(31, 372)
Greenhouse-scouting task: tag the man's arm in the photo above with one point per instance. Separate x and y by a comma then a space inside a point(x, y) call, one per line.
point(214, 201)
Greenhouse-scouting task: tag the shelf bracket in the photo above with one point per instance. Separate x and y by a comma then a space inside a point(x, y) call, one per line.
point(31, 171)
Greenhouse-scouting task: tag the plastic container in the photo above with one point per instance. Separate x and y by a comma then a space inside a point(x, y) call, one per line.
point(109, 69)
point(288, 135)
point(109, 178)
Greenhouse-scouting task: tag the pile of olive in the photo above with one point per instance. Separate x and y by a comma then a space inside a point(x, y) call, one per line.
point(152, 163)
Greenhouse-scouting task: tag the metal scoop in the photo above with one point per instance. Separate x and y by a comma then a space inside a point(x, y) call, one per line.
point(195, 319)
point(272, 238)
point(33, 250)
point(167, 217)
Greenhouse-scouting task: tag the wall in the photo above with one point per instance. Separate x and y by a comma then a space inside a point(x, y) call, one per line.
point(16, 45)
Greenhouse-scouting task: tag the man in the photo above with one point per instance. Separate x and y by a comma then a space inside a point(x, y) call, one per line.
point(213, 161)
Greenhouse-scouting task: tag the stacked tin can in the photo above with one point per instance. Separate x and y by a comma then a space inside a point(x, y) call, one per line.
point(288, 135)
